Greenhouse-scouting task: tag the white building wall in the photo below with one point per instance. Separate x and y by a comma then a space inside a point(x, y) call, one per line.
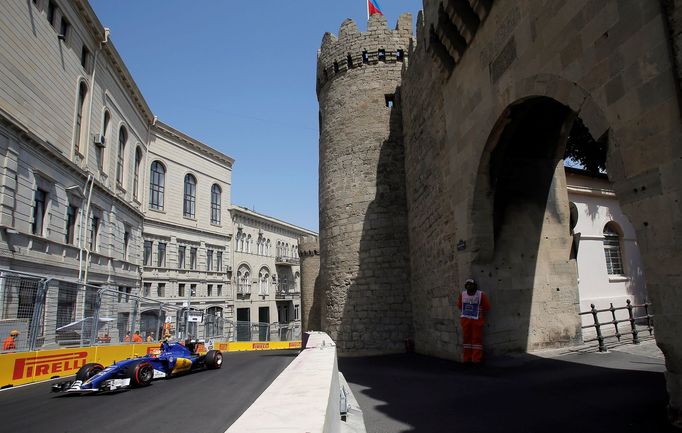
point(597, 205)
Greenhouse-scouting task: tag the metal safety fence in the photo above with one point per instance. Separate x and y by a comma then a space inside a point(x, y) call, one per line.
point(257, 331)
point(50, 313)
point(602, 327)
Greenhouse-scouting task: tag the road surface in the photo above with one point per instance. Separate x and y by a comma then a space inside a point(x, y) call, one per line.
point(205, 401)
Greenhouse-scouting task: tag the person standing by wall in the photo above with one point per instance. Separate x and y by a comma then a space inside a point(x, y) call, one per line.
point(473, 305)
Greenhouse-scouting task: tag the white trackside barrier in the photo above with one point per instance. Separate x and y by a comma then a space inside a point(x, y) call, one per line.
point(303, 398)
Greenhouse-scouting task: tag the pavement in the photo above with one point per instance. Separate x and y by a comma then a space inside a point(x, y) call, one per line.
point(569, 390)
point(203, 402)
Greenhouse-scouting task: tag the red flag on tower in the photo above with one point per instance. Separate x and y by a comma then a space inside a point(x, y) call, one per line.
point(373, 8)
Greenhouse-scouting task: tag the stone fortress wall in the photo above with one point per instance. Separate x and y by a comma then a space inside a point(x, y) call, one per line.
point(482, 117)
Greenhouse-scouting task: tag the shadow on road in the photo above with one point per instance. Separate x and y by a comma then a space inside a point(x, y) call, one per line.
point(413, 393)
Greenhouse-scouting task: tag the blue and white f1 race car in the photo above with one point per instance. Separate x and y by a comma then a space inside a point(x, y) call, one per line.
point(172, 359)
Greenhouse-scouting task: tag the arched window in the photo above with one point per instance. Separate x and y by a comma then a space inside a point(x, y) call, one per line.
point(261, 245)
point(267, 247)
point(612, 249)
point(136, 175)
point(240, 241)
point(215, 203)
point(189, 203)
point(244, 280)
point(82, 93)
point(248, 244)
point(156, 185)
point(263, 281)
point(122, 140)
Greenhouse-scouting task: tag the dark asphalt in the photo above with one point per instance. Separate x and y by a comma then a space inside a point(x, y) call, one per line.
point(202, 402)
point(583, 392)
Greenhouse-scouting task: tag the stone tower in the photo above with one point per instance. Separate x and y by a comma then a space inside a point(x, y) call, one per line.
point(309, 252)
point(364, 249)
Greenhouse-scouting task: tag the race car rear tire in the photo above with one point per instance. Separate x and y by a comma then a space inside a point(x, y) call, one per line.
point(140, 374)
point(214, 359)
point(88, 370)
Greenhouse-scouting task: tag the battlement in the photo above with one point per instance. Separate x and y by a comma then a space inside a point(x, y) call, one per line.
point(354, 49)
point(308, 246)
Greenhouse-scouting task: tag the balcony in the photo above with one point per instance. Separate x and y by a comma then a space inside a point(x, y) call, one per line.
point(287, 291)
point(286, 261)
point(243, 289)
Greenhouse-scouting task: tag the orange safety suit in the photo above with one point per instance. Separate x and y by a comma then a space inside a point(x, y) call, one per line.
point(473, 310)
point(137, 338)
point(9, 344)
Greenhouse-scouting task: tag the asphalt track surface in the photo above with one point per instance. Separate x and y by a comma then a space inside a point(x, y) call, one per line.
point(575, 393)
point(202, 402)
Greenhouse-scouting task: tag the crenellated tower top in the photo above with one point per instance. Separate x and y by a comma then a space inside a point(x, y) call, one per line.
point(354, 49)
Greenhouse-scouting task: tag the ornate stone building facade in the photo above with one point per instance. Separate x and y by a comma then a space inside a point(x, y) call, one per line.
point(485, 108)
point(266, 264)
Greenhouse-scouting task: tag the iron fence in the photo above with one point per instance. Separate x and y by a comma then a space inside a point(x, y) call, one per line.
point(642, 323)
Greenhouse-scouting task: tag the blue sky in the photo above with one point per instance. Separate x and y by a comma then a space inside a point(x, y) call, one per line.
point(240, 77)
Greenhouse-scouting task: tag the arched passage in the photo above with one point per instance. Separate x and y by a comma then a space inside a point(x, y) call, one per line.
point(521, 228)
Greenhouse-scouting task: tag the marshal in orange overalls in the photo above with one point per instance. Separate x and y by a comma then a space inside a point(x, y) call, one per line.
point(473, 309)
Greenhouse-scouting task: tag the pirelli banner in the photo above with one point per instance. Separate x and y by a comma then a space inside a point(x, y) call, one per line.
point(26, 367)
point(240, 346)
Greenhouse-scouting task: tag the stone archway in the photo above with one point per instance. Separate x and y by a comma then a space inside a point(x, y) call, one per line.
point(519, 222)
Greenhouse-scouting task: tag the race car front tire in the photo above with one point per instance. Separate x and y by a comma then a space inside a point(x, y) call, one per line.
point(88, 370)
point(214, 359)
point(140, 374)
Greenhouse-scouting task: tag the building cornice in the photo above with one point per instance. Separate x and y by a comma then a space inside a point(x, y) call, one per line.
point(594, 192)
point(169, 225)
point(176, 135)
point(247, 212)
point(97, 31)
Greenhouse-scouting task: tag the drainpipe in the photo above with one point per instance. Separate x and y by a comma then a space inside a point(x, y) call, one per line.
point(80, 235)
point(94, 74)
point(87, 248)
point(91, 178)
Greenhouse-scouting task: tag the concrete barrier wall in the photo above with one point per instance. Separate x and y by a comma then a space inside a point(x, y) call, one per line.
point(304, 398)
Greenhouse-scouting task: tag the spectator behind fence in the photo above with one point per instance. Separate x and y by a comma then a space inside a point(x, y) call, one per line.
point(150, 337)
point(127, 339)
point(10, 342)
point(137, 338)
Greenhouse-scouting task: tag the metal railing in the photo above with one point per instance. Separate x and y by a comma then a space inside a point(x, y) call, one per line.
point(258, 331)
point(287, 289)
point(646, 321)
point(286, 260)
